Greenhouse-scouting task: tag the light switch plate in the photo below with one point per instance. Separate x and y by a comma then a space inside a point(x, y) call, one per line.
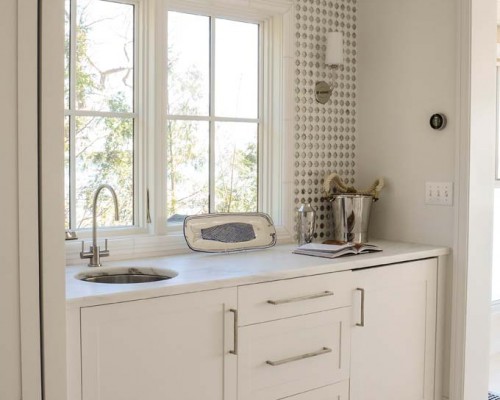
point(439, 193)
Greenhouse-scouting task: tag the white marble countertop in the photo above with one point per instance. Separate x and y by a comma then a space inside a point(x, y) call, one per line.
point(202, 271)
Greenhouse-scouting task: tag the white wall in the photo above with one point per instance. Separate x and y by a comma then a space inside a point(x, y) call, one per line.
point(407, 72)
point(10, 368)
point(495, 287)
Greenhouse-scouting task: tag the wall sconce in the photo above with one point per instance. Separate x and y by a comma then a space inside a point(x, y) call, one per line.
point(334, 56)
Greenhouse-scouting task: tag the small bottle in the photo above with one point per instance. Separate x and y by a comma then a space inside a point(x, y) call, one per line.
point(306, 222)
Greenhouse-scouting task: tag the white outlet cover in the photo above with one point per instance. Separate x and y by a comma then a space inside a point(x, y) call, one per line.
point(439, 193)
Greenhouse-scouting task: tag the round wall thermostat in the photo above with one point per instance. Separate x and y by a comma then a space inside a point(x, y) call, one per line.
point(438, 122)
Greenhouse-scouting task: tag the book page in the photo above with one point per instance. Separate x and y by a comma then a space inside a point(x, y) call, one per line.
point(366, 248)
point(326, 254)
point(328, 248)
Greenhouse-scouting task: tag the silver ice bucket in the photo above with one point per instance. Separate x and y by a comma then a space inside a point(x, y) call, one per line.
point(351, 215)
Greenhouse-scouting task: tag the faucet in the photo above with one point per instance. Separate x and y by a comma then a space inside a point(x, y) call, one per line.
point(95, 252)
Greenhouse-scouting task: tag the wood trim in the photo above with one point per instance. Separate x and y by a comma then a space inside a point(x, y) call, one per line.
point(28, 199)
point(459, 285)
point(51, 192)
point(443, 266)
point(473, 219)
point(250, 9)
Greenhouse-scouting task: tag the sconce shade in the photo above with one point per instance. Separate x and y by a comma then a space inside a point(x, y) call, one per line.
point(334, 48)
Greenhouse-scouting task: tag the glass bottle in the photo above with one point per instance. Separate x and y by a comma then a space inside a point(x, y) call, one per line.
point(306, 222)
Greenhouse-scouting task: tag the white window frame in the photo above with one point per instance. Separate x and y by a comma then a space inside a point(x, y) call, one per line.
point(497, 158)
point(276, 113)
point(495, 303)
point(211, 118)
point(140, 123)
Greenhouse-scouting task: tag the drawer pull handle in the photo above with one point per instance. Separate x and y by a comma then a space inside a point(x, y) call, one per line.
point(301, 298)
point(324, 350)
point(362, 322)
point(235, 330)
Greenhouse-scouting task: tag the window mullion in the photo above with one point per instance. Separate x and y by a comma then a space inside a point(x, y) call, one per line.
point(105, 114)
point(211, 181)
point(158, 83)
point(262, 177)
point(212, 118)
point(72, 55)
point(72, 172)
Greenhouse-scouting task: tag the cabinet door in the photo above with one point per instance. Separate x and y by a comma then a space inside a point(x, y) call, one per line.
point(168, 348)
point(393, 354)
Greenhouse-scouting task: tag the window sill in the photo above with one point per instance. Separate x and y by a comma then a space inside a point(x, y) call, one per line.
point(145, 246)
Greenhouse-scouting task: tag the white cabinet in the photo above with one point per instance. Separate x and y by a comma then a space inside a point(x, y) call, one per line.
point(366, 334)
point(393, 353)
point(175, 347)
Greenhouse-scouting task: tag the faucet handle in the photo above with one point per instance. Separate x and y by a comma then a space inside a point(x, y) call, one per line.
point(105, 252)
point(83, 253)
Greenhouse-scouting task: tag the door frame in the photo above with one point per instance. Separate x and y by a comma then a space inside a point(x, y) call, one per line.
point(27, 153)
point(51, 192)
point(475, 163)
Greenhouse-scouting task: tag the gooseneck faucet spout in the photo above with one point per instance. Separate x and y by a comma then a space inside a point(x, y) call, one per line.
point(95, 252)
point(94, 210)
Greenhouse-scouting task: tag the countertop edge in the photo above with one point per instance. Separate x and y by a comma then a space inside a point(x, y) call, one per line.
point(310, 266)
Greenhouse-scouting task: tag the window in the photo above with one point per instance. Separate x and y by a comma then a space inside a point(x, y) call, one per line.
point(213, 125)
point(101, 119)
point(177, 105)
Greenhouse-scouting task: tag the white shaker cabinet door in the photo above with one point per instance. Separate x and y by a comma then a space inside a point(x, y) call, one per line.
point(167, 348)
point(393, 353)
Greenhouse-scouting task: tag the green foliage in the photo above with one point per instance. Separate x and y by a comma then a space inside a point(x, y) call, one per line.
point(235, 185)
point(236, 191)
point(184, 154)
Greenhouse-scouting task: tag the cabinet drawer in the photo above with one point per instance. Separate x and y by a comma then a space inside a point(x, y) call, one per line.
point(338, 391)
point(293, 297)
point(289, 356)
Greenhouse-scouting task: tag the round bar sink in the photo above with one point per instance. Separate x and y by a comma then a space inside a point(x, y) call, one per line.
point(126, 275)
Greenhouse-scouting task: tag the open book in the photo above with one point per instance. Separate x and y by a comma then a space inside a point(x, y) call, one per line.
point(335, 250)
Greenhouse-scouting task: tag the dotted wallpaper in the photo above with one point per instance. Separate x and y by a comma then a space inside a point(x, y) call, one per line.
point(325, 134)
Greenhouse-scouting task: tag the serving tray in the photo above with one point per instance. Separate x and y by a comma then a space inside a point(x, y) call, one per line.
point(224, 233)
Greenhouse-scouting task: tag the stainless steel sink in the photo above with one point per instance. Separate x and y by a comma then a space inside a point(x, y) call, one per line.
point(125, 275)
